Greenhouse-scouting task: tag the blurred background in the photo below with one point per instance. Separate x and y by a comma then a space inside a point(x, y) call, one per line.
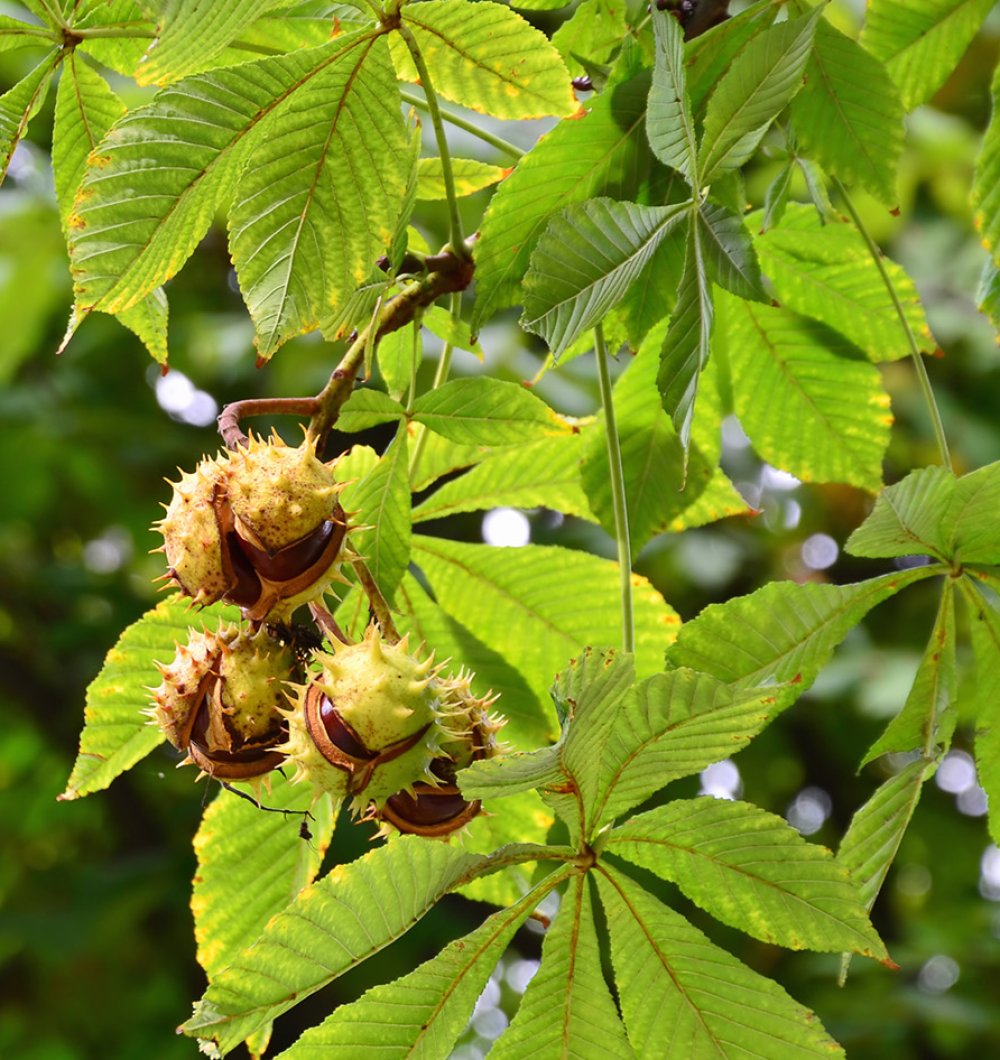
point(96, 946)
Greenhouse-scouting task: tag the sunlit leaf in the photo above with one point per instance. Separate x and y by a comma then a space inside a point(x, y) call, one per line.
point(539, 605)
point(604, 152)
point(483, 411)
point(252, 862)
point(848, 115)
point(810, 404)
point(970, 525)
point(592, 34)
point(20, 104)
point(116, 734)
point(825, 271)
point(381, 501)
point(486, 57)
point(907, 516)
point(367, 408)
point(544, 473)
point(191, 33)
point(421, 1014)
point(354, 911)
point(752, 871)
point(529, 723)
point(468, 174)
point(921, 41)
point(675, 986)
point(782, 632)
point(567, 1008)
point(927, 717)
point(660, 496)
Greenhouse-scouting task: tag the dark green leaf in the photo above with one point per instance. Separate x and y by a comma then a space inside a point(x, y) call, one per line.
point(984, 626)
point(585, 261)
point(669, 123)
point(729, 253)
point(753, 92)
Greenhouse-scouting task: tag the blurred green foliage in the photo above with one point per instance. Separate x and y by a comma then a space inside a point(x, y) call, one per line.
point(96, 953)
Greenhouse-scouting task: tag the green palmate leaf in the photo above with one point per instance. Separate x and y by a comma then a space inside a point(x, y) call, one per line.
point(921, 41)
point(397, 359)
point(729, 253)
point(585, 261)
point(86, 108)
point(825, 271)
point(545, 473)
point(518, 819)
point(984, 627)
point(469, 176)
point(592, 34)
point(876, 830)
point(341, 153)
point(451, 329)
point(776, 196)
point(927, 717)
point(122, 31)
point(783, 632)
point(567, 1009)
point(970, 525)
point(366, 408)
point(602, 153)
point(191, 33)
point(752, 871)
point(17, 34)
point(442, 456)
point(653, 293)
point(676, 987)
point(986, 185)
point(485, 411)
point(116, 734)
point(988, 293)
point(659, 495)
point(670, 726)
point(848, 115)
point(807, 400)
point(332, 926)
point(175, 161)
point(381, 501)
point(669, 123)
point(423, 1013)
point(686, 345)
point(487, 58)
point(907, 517)
point(529, 723)
point(707, 56)
point(753, 92)
point(19, 105)
point(251, 864)
point(511, 774)
point(539, 605)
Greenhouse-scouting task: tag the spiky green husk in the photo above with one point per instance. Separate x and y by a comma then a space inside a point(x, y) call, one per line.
point(191, 538)
point(391, 723)
point(229, 687)
point(278, 493)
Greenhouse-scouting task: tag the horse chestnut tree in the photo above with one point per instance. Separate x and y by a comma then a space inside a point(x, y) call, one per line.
point(699, 207)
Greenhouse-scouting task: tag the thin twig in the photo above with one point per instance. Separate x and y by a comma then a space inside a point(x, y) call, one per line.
point(229, 420)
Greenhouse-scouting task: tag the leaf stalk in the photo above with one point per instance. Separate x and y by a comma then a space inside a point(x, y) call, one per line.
point(618, 499)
